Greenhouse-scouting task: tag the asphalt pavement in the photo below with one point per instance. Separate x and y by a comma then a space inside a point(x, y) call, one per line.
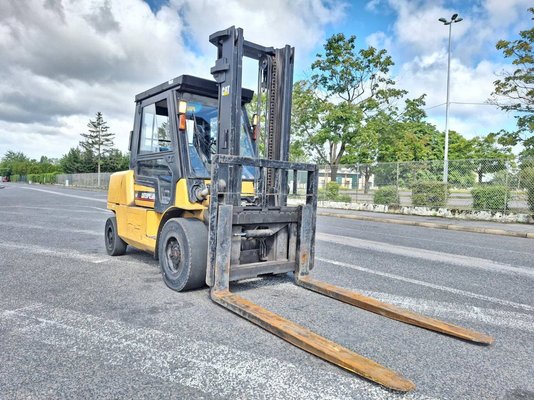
point(76, 323)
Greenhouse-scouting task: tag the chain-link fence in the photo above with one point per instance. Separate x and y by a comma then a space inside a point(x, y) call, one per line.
point(499, 185)
point(84, 180)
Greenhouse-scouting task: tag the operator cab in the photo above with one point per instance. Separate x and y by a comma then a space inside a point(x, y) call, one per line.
point(175, 135)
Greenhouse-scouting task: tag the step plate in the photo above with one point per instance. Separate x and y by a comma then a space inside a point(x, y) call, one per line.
point(311, 342)
point(391, 311)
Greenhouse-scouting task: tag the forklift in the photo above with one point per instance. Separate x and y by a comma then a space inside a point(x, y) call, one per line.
point(200, 199)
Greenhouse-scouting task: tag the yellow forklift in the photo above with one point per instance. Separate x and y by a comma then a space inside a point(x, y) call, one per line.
point(201, 200)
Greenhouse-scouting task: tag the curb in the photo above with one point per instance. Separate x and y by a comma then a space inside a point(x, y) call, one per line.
point(434, 225)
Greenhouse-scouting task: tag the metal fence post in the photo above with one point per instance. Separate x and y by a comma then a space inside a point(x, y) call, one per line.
point(398, 173)
point(506, 179)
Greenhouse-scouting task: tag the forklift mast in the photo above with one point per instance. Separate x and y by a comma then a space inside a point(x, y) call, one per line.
point(262, 234)
point(275, 79)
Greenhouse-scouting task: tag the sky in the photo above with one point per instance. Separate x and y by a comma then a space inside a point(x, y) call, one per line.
point(62, 61)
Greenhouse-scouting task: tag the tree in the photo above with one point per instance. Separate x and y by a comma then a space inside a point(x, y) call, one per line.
point(15, 163)
point(393, 135)
point(488, 156)
point(98, 141)
point(88, 162)
point(47, 165)
point(14, 157)
point(404, 136)
point(347, 87)
point(515, 90)
point(115, 161)
point(71, 163)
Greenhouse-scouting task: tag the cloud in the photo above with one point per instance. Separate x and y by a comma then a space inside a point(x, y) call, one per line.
point(379, 40)
point(300, 23)
point(64, 60)
point(103, 20)
point(416, 28)
point(418, 44)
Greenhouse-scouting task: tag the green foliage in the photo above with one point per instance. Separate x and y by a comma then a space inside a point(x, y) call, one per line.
point(89, 162)
point(49, 178)
point(490, 197)
point(17, 163)
point(78, 161)
point(331, 193)
point(332, 190)
point(71, 162)
point(115, 161)
point(386, 174)
point(429, 194)
point(515, 90)
point(329, 110)
point(347, 114)
point(387, 195)
point(493, 158)
point(461, 178)
point(297, 152)
point(527, 181)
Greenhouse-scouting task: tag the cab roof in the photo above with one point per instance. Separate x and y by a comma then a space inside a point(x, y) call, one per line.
point(190, 84)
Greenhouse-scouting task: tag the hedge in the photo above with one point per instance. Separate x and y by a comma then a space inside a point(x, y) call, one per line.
point(43, 178)
point(430, 194)
point(387, 195)
point(490, 197)
point(331, 193)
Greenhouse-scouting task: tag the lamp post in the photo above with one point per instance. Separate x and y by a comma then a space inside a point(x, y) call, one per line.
point(454, 19)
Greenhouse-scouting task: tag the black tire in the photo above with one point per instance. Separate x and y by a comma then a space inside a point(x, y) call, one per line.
point(115, 246)
point(183, 253)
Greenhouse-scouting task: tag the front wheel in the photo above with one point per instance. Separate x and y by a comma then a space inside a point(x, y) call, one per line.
point(115, 246)
point(182, 253)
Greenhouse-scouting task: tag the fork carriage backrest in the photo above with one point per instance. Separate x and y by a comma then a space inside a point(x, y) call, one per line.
point(256, 233)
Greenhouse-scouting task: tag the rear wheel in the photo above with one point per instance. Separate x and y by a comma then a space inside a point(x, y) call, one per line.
point(182, 253)
point(115, 246)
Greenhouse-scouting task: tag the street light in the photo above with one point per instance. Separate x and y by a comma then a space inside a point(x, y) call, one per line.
point(454, 19)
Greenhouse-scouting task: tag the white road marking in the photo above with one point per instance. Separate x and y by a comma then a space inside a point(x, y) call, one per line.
point(61, 253)
point(438, 309)
point(431, 285)
point(59, 209)
point(34, 215)
point(212, 368)
point(65, 194)
point(433, 308)
point(441, 240)
point(77, 255)
point(455, 259)
point(54, 228)
point(104, 210)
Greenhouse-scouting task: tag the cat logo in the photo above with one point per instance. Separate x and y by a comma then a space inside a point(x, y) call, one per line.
point(145, 196)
